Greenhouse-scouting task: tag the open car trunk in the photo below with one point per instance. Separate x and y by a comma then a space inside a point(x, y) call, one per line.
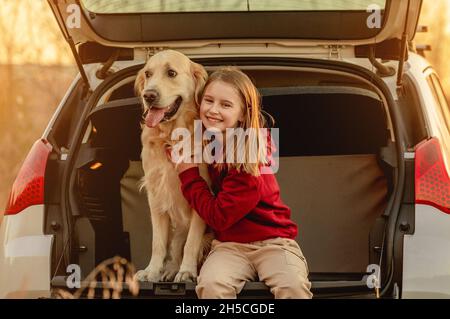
point(104, 30)
point(333, 134)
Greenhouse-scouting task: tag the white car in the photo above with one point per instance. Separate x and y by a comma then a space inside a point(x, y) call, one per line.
point(364, 143)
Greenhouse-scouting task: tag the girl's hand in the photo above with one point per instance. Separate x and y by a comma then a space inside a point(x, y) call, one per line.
point(181, 166)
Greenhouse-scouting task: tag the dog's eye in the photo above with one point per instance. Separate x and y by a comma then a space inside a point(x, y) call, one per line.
point(148, 74)
point(171, 73)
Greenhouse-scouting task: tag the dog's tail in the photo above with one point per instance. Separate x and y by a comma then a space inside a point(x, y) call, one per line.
point(205, 247)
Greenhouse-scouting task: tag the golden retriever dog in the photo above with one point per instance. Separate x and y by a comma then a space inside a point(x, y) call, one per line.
point(169, 86)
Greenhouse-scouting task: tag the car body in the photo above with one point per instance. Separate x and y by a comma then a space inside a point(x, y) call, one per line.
point(55, 219)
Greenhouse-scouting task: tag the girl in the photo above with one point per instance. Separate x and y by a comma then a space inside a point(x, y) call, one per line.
point(252, 226)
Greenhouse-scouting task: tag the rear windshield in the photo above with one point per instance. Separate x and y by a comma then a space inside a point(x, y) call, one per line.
point(155, 6)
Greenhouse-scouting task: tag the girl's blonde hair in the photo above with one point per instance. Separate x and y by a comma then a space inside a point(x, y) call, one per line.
point(253, 118)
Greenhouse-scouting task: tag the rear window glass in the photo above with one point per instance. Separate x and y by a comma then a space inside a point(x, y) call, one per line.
point(155, 6)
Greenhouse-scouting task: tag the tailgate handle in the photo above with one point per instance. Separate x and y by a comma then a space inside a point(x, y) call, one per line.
point(169, 289)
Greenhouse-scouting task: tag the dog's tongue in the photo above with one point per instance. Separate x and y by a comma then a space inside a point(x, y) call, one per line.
point(154, 116)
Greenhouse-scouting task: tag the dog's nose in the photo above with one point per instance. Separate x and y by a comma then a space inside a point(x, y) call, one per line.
point(150, 96)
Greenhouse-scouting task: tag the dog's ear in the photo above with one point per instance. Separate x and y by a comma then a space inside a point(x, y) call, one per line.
point(139, 83)
point(200, 77)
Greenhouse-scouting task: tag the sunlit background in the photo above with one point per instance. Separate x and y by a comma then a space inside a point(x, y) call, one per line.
point(36, 68)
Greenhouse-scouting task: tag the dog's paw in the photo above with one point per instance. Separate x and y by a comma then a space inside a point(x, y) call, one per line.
point(169, 273)
point(144, 275)
point(187, 276)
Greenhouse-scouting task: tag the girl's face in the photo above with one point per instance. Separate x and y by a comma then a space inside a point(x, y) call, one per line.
point(221, 106)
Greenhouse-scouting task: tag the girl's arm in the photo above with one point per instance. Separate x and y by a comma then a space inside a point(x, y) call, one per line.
point(239, 195)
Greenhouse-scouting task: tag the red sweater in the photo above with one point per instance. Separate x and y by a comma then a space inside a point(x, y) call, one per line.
point(244, 209)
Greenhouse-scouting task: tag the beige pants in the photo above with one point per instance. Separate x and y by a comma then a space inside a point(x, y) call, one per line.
point(278, 262)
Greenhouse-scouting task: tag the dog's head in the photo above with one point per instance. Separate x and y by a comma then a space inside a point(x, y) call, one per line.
point(168, 80)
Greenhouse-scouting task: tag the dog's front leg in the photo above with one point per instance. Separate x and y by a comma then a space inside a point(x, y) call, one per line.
point(188, 268)
point(175, 254)
point(161, 227)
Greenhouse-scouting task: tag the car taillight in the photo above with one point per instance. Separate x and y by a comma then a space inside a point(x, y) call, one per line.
point(432, 180)
point(28, 188)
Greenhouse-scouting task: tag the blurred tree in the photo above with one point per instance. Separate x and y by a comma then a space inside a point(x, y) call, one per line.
point(436, 15)
point(9, 46)
point(31, 88)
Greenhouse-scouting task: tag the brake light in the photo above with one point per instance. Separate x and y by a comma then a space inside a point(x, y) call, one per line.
point(28, 188)
point(432, 180)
